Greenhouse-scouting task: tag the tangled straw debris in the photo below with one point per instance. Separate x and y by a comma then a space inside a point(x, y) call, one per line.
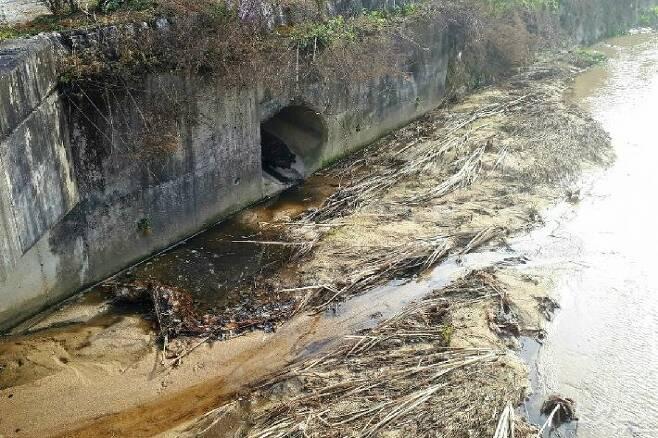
point(402, 377)
point(559, 410)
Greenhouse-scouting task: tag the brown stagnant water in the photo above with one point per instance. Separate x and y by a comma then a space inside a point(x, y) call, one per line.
point(601, 348)
point(222, 267)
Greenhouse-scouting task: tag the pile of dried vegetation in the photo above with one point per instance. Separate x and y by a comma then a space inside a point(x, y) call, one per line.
point(402, 378)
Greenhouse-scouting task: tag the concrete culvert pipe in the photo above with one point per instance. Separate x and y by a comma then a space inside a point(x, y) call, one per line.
point(291, 143)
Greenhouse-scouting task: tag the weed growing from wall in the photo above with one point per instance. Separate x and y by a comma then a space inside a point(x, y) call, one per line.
point(215, 41)
point(505, 6)
point(649, 17)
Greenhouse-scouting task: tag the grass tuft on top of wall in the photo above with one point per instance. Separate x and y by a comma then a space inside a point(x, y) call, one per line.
point(649, 17)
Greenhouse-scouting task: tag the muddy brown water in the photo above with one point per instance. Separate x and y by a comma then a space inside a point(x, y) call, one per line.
point(223, 267)
point(601, 348)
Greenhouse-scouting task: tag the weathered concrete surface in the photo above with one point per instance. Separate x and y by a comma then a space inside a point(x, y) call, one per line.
point(19, 11)
point(100, 179)
point(36, 173)
point(27, 76)
point(590, 21)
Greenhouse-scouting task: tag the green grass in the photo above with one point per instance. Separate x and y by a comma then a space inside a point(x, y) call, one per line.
point(324, 33)
point(501, 6)
point(127, 5)
point(649, 17)
point(8, 33)
point(590, 56)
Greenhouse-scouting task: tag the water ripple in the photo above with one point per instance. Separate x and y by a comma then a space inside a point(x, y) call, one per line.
point(601, 348)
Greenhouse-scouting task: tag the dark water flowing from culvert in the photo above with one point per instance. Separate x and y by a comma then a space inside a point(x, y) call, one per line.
point(601, 348)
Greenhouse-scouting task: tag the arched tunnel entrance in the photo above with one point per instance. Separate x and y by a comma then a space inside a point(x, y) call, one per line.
point(291, 144)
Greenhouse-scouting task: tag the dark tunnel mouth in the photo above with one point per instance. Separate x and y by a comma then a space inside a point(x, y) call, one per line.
point(278, 161)
point(291, 144)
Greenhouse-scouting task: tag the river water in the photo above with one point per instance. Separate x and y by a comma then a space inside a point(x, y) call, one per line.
point(601, 348)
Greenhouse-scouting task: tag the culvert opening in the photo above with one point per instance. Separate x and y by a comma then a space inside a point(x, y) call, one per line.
point(291, 144)
point(279, 161)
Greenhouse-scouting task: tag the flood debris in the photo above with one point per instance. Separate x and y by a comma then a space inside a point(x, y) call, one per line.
point(402, 378)
point(128, 292)
point(464, 170)
point(404, 261)
point(505, 427)
point(445, 186)
point(174, 311)
point(504, 320)
point(573, 195)
point(547, 306)
point(482, 237)
point(177, 315)
point(559, 410)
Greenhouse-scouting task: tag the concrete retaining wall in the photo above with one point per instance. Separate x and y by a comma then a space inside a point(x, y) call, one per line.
point(588, 21)
point(37, 187)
